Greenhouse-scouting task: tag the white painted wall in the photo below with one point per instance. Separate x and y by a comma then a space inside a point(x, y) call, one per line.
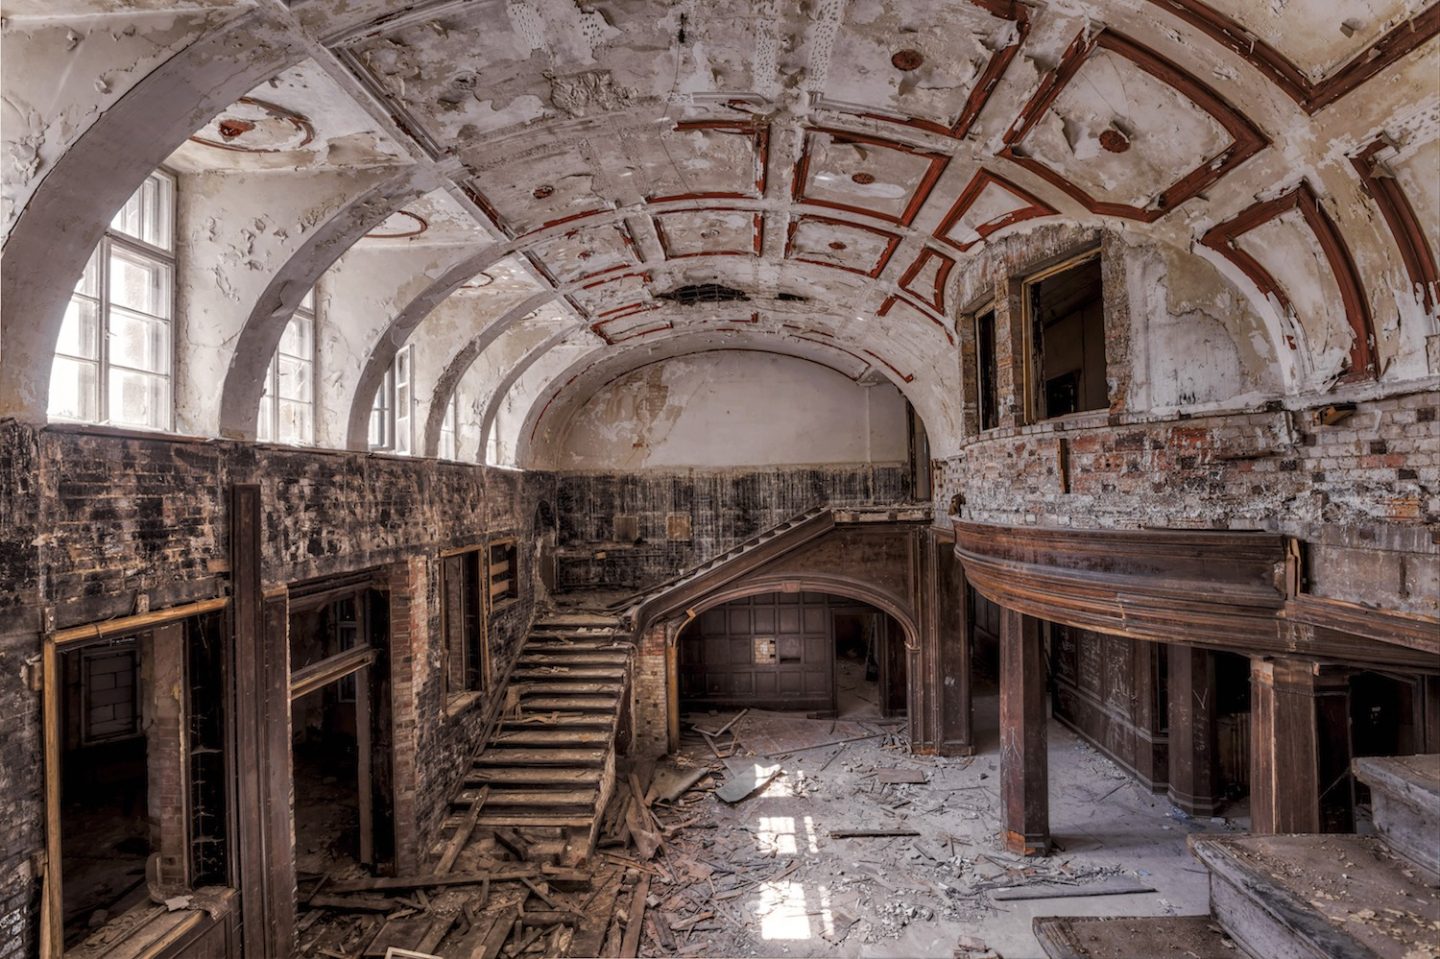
point(734, 409)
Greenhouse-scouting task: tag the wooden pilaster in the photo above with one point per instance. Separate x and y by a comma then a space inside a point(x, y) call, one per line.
point(1194, 759)
point(1024, 765)
point(1299, 748)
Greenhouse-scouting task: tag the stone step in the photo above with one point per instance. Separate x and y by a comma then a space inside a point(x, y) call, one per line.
point(1405, 804)
point(550, 737)
point(559, 687)
point(1154, 937)
point(598, 638)
point(532, 705)
point(1318, 896)
point(556, 776)
point(539, 756)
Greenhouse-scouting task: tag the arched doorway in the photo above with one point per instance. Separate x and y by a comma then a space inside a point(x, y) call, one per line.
point(820, 653)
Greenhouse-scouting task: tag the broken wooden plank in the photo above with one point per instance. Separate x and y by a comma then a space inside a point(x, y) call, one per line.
point(544, 896)
point(630, 945)
point(486, 937)
point(870, 833)
point(597, 913)
point(834, 742)
point(893, 777)
point(383, 883)
point(462, 833)
point(356, 903)
point(513, 842)
point(1115, 886)
point(663, 935)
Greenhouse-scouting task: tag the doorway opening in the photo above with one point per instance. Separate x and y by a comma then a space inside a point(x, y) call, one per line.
point(338, 732)
point(105, 834)
point(826, 655)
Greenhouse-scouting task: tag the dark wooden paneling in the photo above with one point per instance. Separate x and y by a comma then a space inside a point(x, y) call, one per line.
point(720, 664)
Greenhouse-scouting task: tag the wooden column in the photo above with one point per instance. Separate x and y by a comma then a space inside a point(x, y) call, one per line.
point(939, 680)
point(1194, 757)
point(259, 722)
point(1299, 747)
point(1024, 765)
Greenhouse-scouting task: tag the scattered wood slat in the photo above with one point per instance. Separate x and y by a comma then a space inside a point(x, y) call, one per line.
point(833, 742)
point(381, 883)
point(462, 833)
point(513, 842)
point(870, 833)
point(486, 937)
point(900, 776)
point(663, 935)
point(630, 945)
point(356, 903)
point(1117, 886)
point(597, 912)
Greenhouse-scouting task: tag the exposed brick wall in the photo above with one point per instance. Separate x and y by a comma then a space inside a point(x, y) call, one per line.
point(1360, 493)
point(718, 509)
point(96, 525)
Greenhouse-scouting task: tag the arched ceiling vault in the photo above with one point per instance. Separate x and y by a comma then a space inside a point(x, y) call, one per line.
point(843, 167)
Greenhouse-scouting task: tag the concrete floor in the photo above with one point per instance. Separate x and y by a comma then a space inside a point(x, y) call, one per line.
point(911, 897)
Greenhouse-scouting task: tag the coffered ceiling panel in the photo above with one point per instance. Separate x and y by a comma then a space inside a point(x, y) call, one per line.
point(710, 233)
point(862, 174)
point(844, 246)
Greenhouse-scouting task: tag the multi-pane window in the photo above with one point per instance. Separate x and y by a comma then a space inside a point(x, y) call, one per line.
point(382, 414)
point(404, 400)
point(447, 427)
point(287, 409)
point(391, 413)
point(987, 388)
point(113, 360)
point(467, 662)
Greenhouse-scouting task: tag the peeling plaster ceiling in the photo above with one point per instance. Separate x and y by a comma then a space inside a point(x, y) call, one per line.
point(846, 164)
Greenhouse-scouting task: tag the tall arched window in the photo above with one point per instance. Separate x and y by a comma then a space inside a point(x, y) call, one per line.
point(114, 360)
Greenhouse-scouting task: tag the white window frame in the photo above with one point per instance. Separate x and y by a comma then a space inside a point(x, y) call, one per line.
point(267, 426)
point(382, 413)
point(448, 447)
point(98, 271)
point(405, 401)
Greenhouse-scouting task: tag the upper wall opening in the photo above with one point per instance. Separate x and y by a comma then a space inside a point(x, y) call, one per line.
point(731, 409)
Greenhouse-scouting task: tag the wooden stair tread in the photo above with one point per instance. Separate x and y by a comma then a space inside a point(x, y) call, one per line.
point(546, 703)
point(560, 719)
point(598, 659)
point(559, 737)
point(548, 671)
point(1124, 937)
point(502, 755)
point(533, 776)
point(1320, 892)
point(500, 798)
point(578, 687)
point(534, 819)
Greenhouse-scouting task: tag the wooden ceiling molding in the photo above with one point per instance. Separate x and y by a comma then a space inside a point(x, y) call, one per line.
point(1027, 207)
point(1246, 138)
point(894, 301)
point(1311, 95)
point(873, 270)
point(1222, 239)
point(916, 192)
point(1011, 10)
point(668, 237)
point(931, 291)
point(759, 137)
point(1400, 217)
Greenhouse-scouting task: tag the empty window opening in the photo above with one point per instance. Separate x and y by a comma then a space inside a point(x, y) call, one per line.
point(987, 389)
point(1067, 340)
point(141, 764)
point(287, 407)
point(822, 654)
point(503, 572)
point(113, 359)
point(448, 449)
point(466, 650)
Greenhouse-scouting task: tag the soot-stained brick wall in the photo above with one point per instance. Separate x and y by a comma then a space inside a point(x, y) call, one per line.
point(97, 525)
point(1362, 494)
point(683, 518)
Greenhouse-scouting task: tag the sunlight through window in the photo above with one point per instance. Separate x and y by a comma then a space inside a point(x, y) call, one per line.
point(782, 911)
point(777, 833)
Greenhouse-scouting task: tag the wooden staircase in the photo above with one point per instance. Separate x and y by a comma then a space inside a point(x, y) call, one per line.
point(550, 765)
point(1299, 896)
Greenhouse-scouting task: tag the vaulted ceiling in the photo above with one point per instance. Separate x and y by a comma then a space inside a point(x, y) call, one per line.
point(540, 194)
